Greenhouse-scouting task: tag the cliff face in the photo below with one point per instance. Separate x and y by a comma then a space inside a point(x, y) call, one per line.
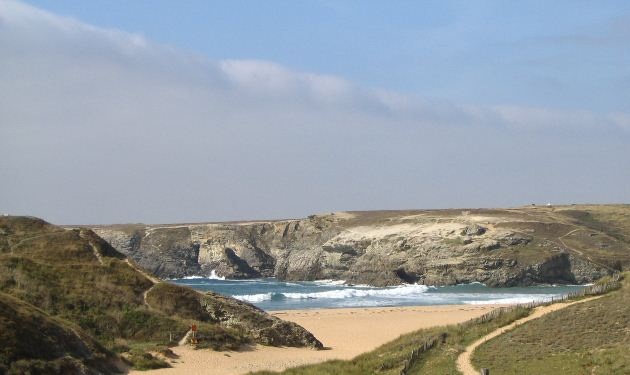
point(571, 244)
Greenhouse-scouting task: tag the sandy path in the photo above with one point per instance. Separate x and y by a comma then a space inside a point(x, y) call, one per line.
point(347, 332)
point(464, 364)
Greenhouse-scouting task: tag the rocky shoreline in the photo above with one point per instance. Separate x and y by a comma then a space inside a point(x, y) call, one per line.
point(511, 247)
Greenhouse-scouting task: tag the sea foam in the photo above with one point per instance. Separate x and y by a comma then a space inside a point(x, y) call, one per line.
point(213, 276)
point(510, 300)
point(392, 292)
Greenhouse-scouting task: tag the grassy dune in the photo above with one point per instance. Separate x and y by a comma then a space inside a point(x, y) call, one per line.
point(76, 276)
point(72, 280)
point(35, 342)
point(589, 338)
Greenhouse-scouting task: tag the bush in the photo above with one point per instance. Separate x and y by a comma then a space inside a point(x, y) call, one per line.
point(141, 360)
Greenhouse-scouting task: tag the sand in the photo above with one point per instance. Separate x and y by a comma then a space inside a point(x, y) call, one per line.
point(346, 332)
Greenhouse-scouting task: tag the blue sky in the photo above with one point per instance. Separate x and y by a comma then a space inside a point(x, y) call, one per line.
point(570, 54)
point(163, 111)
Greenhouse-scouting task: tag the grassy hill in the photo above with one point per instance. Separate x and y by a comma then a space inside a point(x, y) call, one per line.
point(37, 342)
point(75, 276)
point(589, 338)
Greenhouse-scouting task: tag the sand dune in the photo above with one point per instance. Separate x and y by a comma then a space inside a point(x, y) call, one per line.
point(346, 332)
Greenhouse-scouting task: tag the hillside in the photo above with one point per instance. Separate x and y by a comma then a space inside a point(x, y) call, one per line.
point(589, 338)
point(499, 247)
point(75, 276)
point(35, 341)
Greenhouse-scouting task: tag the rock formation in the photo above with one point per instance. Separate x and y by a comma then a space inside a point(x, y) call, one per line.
point(524, 246)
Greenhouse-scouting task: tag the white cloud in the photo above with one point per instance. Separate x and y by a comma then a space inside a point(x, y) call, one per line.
point(147, 132)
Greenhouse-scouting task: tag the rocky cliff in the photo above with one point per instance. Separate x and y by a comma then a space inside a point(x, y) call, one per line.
point(499, 247)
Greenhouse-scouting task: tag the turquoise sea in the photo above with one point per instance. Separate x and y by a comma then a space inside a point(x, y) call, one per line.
point(273, 294)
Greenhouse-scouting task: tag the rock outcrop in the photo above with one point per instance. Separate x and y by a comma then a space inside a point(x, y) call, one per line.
point(438, 247)
point(264, 328)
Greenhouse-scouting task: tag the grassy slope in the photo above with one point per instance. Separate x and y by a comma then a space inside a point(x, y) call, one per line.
point(589, 338)
point(57, 270)
point(35, 341)
point(604, 235)
point(75, 276)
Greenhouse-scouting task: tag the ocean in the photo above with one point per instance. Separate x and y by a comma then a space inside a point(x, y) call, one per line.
point(273, 294)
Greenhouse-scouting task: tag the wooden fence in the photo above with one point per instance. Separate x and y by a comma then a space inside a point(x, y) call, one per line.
point(415, 354)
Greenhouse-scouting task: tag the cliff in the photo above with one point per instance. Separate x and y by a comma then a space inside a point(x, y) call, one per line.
point(499, 247)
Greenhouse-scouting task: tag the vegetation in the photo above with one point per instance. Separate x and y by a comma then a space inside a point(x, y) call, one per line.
point(75, 275)
point(69, 281)
point(143, 360)
point(588, 338)
point(78, 301)
point(35, 342)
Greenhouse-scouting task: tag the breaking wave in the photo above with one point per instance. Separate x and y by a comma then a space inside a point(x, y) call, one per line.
point(213, 276)
point(403, 291)
point(510, 300)
point(329, 282)
point(193, 277)
point(273, 294)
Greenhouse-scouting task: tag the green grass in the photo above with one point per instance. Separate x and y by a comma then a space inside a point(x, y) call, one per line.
point(35, 342)
point(614, 220)
point(441, 359)
point(143, 360)
point(587, 338)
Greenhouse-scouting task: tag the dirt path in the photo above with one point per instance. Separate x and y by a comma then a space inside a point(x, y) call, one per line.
point(464, 364)
point(581, 253)
point(13, 246)
point(153, 279)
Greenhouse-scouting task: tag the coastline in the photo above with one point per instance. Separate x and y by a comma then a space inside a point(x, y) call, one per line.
point(345, 332)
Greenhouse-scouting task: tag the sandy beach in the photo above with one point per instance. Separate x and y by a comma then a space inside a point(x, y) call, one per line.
point(345, 332)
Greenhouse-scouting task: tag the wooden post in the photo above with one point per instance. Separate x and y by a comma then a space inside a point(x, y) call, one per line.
point(485, 371)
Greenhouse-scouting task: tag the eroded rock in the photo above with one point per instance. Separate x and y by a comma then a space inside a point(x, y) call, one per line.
point(377, 248)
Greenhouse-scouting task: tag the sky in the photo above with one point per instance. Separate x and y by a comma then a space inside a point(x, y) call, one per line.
point(162, 111)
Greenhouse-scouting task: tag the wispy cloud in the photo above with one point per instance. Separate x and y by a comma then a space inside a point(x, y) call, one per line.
point(148, 132)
